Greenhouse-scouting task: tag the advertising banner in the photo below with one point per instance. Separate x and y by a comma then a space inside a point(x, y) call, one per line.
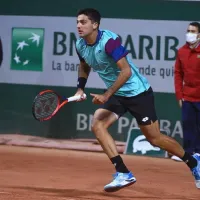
point(41, 50)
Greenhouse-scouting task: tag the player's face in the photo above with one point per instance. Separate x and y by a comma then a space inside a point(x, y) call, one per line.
point(85, 26)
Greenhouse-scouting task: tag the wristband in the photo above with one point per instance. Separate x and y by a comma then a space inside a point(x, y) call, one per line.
point(81, 82)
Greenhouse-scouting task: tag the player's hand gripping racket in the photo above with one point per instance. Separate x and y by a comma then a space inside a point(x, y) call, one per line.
point(47, 103)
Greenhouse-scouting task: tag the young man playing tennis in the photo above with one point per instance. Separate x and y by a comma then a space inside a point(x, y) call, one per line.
point(127, 90)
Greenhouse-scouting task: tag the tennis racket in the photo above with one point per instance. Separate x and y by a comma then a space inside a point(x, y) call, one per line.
point(47, 103)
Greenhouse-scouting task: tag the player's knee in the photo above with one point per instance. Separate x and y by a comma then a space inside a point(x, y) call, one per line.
point(96, 126)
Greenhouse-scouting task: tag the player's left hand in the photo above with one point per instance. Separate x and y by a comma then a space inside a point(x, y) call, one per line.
point(99, 98)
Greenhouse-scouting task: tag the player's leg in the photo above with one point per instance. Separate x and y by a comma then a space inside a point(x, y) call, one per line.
point(156, 138)
point(146, 117)
point(101, 121)
point(170, 145)
point(190, 128)
point(197, 145)
point(103, 118)
point(189, 119)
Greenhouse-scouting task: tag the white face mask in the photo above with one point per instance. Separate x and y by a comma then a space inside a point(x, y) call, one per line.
point(191, 37)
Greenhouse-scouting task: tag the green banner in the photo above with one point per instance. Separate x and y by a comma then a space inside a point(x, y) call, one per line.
point(137, 144)
point(27, 49)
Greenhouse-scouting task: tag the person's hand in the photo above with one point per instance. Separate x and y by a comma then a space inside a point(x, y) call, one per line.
point(180, 102)
point(99, 98)
point(80, 92)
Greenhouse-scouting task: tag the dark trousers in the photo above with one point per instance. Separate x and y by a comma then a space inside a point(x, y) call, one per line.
point(191, 126)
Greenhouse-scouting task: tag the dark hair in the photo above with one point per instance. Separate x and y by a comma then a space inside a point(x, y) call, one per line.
point(92, 14)
point(196, 24)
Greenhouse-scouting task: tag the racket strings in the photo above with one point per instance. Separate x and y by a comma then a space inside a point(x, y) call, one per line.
point(45, 105)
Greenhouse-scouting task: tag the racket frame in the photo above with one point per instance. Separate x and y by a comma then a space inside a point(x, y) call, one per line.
point(59, 104)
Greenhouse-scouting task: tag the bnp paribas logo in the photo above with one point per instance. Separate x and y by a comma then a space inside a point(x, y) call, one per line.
point(27, 49)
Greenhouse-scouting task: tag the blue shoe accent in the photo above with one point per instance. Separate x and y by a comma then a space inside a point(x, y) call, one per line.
point(120, 180)
point(196, 170)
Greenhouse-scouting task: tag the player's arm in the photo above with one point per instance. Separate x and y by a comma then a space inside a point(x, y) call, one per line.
point(83, 73)
point(178, 79)
point(122, 78)
point(83, 70)
point(118, 53)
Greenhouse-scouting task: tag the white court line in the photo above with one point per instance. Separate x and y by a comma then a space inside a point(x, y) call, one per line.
point(5, 192)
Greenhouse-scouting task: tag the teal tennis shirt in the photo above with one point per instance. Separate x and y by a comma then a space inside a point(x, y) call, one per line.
point(103, 55)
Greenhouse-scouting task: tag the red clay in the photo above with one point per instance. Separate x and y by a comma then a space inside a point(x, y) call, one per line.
point(49, 174)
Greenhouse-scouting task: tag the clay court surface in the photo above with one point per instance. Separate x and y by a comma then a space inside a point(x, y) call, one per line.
point(49, 174)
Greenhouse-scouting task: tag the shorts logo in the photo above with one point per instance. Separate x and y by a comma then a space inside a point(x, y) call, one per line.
point(145, 119)
point(27, 49)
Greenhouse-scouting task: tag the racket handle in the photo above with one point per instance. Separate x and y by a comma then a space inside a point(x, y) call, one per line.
point(75, 98)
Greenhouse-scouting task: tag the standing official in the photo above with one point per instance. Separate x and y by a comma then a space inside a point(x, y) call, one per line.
point(187, 87)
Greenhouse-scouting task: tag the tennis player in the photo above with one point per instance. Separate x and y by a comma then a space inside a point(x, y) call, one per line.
point(127, 90)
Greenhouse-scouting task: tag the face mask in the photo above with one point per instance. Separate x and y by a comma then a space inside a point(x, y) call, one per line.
point(191, 37)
